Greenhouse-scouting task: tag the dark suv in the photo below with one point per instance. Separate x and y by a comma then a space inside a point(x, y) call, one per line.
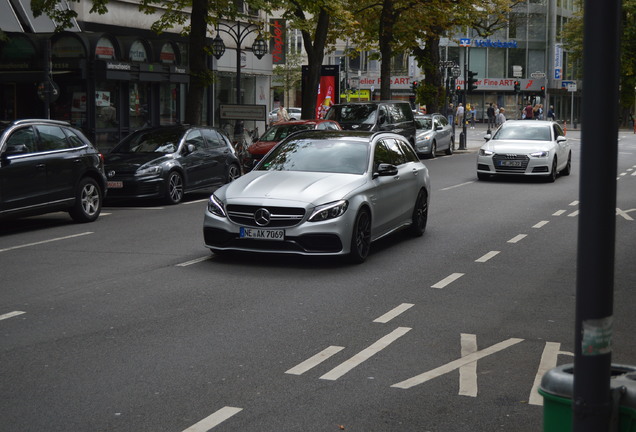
point(392, 116)
point(48, 166)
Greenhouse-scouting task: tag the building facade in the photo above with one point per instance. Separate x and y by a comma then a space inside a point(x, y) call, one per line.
point(110, 74)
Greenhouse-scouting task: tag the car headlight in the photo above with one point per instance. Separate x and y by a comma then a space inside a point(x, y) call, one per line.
point(148, 170)
point(539, 154)
point(216, 207)
point(329, 211)
point(483, 152)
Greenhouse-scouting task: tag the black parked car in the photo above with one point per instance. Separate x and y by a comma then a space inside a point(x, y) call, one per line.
point(48, 166)
point(168, 161)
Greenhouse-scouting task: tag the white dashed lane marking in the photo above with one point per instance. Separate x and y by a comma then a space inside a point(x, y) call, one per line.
point(517, 238)
point(214, 420)
point(487, 257)
point(447, 280)
point(44, 242)
point(393, 313)
point(11, 315)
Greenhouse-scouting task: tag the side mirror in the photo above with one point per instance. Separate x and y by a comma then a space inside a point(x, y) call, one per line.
point(382, 118)
point(385, 170)
point(561, 138)
point(487, 137)
point(190, 148)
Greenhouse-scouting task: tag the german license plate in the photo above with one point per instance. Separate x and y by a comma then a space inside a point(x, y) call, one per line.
point(510, 163)
point(115, 185)
point(262, 234)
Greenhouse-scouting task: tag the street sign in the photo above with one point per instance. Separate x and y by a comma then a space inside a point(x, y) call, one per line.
point(464, 42)
point(537, 74)
point(572, 87)
point(243, 112)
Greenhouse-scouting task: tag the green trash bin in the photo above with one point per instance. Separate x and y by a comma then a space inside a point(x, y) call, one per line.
point(557, 389)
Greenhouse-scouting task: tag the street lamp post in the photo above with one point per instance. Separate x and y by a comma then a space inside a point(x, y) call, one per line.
point(238, 33)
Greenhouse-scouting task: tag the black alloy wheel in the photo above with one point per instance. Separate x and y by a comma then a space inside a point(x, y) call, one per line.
point(568, 167)
point(361, 237)
point(451, 146)
point(88, 201)
point(433, 150)
point(553, 173)
point(174, 188)
point(420, 215)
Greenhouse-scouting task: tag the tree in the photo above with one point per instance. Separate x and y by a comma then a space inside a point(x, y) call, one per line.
point(320, 23)
point(289, 74)
point(572, 35)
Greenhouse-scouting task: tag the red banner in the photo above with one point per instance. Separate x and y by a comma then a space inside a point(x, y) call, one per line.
point(326, 94)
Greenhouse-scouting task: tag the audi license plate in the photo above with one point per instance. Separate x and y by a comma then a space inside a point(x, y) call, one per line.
point(115, 185)
point(510, 163)
point(262, 234)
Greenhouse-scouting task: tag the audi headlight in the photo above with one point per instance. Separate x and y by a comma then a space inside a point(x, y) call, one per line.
point(329, 211)
point(216, 206)
point(483, 152)
point(539, 154)
point(148, 170)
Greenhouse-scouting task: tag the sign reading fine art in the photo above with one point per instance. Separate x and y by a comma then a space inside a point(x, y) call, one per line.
point(277, 42)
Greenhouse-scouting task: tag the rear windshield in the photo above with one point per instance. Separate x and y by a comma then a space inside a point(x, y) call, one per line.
point(353, 114)
point(280, 132)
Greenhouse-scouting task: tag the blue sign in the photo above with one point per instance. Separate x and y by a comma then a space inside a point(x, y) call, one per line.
point(464, 42)
point(557, 74)
point(565, 84)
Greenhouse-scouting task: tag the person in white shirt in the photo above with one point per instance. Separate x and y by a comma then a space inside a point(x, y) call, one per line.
point(460, 114)
point(501, 118)
point(282, 115)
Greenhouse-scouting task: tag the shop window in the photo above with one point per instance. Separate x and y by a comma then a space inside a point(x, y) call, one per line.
point(168, 104)
point(138, 115)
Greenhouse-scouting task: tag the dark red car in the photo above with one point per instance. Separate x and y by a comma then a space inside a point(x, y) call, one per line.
point(279, 132)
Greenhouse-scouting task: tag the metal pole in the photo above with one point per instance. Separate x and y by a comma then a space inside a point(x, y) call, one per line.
point(597, 218)
point(238, 63)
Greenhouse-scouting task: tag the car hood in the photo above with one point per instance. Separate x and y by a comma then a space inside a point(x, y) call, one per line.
point(133, 160)
point(516, 146)
point(261, 147)
point(292, 187)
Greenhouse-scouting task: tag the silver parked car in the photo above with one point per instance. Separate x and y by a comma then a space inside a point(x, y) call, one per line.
point(524, 147)
point(322, 193)
point(433, 133)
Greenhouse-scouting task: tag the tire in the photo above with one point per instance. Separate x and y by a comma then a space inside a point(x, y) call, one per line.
point(420, 215)
point(568, 167)
point(174, 188)
point(433, 150)
point(361, 237)
point(451, 145)
point(233, 172)
point(553, 173)
point(88, 201)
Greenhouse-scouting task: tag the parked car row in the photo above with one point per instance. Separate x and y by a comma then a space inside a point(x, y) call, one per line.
point(312, 187)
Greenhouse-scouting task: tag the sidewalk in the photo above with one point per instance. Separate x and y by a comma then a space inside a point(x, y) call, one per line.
point(475, 137)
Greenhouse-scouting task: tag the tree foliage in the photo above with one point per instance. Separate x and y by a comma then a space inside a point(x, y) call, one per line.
point(572, 35)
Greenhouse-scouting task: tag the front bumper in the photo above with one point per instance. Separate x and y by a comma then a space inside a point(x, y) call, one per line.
point(152, 187)
point(330, 237)
point(506, 164)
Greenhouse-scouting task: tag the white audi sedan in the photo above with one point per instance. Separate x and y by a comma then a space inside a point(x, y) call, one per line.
point(322, 193)
point(525, 147)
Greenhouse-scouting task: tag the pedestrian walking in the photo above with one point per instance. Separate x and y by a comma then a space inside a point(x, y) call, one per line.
point(527, 112)
point(473, 116)
point(490, 112)
point(451, 114)
point(460, 114)
point(551, 113)
point(501, 117)
point(281, 114)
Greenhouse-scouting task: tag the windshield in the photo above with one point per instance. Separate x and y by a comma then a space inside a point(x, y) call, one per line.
point(334, 156)
point(353, 114)
point(151, 141)
point(423, 123)
point(522, 132)
point(280, 132)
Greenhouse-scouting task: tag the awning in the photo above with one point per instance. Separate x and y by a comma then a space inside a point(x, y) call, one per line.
point(8, 18)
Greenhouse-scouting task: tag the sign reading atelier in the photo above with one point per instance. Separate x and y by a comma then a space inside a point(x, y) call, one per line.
point(278, 40)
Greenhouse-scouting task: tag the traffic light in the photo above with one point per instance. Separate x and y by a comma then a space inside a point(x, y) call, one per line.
point(472, 81)
point(458, 88)
point(542, 91)
point(414, 85)
point(517, 87)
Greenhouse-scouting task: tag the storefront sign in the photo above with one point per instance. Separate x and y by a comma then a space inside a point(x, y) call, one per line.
point(487, 43)
point(138, 52)
point(277, 42)
point(398, 82)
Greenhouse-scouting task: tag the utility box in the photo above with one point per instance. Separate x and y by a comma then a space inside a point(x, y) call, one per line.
point(557, 389)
